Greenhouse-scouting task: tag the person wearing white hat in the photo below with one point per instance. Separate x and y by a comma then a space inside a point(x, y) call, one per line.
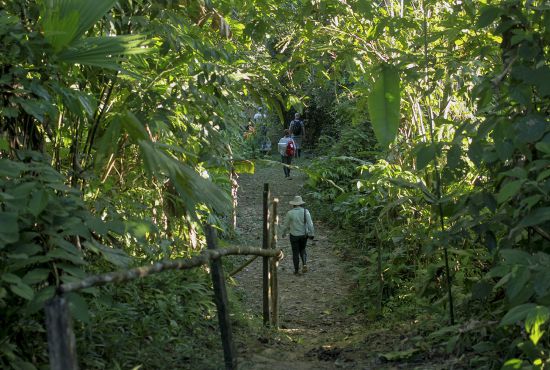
point(299, 226)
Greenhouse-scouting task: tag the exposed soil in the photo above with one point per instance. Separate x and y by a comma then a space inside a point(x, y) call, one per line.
point(315, 332)
point(311, 304)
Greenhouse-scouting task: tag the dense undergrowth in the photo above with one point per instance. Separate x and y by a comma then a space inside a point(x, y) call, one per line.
point(121, 131)
point(473, 190)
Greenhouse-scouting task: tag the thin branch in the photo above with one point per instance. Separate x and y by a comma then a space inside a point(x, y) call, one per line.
point(496, 81)
point(180, 264)
point(542, 233)
point(239, 269)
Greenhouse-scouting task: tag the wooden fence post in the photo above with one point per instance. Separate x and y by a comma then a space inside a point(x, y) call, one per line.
point(265, 245)
point(274, 266)
point(61, 340)
point(220, 297)
point(234, 193)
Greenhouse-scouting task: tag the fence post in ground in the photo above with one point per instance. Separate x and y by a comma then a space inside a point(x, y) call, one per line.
point(234, 189)
point(220, 297)
point(61, 340)
point(265, 245)
point(274, 267)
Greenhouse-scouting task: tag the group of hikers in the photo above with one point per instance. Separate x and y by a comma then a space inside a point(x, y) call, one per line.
point(297, 222)
point(289, 146)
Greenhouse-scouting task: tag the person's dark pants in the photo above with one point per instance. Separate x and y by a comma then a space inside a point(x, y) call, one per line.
point(298, 244)
point(286, 160)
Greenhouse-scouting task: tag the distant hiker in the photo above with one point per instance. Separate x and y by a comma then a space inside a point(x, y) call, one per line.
point(300, 227)
point(298, 131)
point(260, 120)
point(287, 149)
point(251, 138)
point(259, 116)
point(265, 145)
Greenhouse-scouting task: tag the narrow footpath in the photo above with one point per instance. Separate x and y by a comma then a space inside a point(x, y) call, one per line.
point(314, 328)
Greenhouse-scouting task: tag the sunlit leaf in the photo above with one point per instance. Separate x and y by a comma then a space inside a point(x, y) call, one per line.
point(104, 52)
point(384, 105)
point(513, 364)
point(66, 20)
point(244, 166)
point(535, 319)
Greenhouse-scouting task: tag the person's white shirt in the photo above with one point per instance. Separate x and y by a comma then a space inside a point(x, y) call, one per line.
point(259, 116)
point(283, 142)
point(294, 222)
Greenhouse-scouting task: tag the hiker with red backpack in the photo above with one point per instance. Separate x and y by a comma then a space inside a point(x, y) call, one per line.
point(287, 149)
point(298, 131)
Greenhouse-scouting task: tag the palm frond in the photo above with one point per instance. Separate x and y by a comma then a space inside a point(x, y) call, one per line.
point(191, 187)
point(104, 52)
point(64, 21)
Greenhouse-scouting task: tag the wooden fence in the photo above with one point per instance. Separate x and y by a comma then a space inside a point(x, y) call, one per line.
point(61, 338)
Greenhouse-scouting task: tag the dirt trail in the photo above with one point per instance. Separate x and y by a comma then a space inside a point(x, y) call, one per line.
point(315, 331)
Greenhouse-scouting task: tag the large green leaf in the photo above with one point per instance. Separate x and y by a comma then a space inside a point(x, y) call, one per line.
point(36, 276)
point(38, 202)
point(9, 233)
point(244, 166)
point(78, 307)
point(530, 128)
point(22, 290)
point(384, 105)
point(536, 217)
point(517, 313)
point(535, 319)
point(64, 21)
point(516, 257)
point(509, 190)
point(488, 15)
point(104, 52)
point(517, 284)
point(425, 155)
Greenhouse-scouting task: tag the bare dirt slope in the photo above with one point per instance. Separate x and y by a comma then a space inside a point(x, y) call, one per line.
point(314, 328)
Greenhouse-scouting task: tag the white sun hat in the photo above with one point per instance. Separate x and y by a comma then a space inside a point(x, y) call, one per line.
point(297, 201)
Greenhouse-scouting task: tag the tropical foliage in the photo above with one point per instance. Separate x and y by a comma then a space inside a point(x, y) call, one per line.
point(116, 119)
point(456, 208)
point(121, 130)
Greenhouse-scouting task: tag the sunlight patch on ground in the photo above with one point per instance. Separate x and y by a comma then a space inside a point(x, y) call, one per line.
point(293, 331)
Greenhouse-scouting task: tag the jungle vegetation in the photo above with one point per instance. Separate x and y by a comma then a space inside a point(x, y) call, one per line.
point(121, 125)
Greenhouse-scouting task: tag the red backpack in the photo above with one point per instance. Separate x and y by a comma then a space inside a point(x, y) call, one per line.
point(290, 148)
